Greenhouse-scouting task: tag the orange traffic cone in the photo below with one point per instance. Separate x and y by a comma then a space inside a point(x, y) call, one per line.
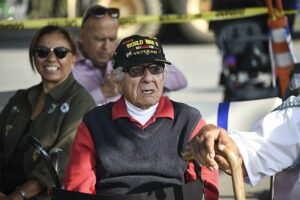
point(281, 49)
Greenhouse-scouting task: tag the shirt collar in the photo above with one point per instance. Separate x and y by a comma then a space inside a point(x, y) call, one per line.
point(164, 109)
point(57, 93)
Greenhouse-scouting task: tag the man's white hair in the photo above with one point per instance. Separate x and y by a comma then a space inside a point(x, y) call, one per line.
point(119, 73)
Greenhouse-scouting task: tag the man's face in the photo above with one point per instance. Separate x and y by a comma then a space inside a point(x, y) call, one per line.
point(143, 91)
point(98, 39)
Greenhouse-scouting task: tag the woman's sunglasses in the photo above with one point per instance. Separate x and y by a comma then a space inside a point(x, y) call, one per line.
point(99, 12)
point(43, 52)
point(138, 70)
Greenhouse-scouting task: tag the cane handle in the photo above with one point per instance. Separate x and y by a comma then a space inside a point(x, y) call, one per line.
point(235, 167)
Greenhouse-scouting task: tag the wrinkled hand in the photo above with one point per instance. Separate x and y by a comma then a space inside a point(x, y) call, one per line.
point(208, 145)
point(109, 88)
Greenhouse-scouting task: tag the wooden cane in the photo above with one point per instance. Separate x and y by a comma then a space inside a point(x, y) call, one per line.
point(235, 167)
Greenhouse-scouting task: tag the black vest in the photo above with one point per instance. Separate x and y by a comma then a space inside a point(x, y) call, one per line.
point(134, 160)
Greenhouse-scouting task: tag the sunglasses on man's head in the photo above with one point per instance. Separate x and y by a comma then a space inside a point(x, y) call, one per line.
point(99, 12)
point(43, 52)
point(138, 70)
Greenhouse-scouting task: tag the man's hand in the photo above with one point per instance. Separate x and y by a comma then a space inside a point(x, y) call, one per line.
point(109, 88)
point(201, 147)
point(208, 145)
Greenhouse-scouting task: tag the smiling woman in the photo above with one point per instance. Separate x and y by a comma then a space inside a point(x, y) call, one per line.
point(49, 111)
point(52, 59)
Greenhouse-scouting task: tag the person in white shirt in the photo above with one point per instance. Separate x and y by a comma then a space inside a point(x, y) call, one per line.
point(272, 147)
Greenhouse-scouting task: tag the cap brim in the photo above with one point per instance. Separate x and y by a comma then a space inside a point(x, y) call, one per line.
point(138, 61)
point(163, 61)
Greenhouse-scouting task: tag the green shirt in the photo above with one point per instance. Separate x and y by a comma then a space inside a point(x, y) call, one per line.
point(55, 126)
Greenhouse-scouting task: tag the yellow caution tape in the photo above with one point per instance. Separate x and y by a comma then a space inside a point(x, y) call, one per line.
point(209, 16)
point(37, 23)
point(139, 19)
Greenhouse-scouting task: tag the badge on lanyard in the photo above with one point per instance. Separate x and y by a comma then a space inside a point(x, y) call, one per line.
point(64, 107)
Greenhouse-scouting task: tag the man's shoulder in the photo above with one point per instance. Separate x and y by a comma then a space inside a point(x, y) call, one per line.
point(99, 110)
point(83, 70)
point(82, 64)
point(182, 107)
point(291, 102)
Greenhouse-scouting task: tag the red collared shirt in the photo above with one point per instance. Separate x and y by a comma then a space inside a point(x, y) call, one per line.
point(80, 175)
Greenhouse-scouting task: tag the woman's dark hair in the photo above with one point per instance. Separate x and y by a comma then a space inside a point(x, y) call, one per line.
point(49, 30)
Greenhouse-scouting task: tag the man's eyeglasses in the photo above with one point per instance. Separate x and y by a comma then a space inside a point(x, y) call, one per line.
point(99, 12)
point(43, 52)
point(138, 70)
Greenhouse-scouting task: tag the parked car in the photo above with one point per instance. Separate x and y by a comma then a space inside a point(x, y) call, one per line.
point(196, 30)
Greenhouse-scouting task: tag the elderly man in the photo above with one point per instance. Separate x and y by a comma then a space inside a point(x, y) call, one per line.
point(133, 145)
point(97, 43)
point(272, 147)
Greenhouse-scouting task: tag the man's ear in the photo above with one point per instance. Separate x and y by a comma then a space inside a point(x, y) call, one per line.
point(118, 85)
point(112, 77)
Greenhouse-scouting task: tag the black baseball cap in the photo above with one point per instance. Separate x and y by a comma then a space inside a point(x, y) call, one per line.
point(136, 50)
